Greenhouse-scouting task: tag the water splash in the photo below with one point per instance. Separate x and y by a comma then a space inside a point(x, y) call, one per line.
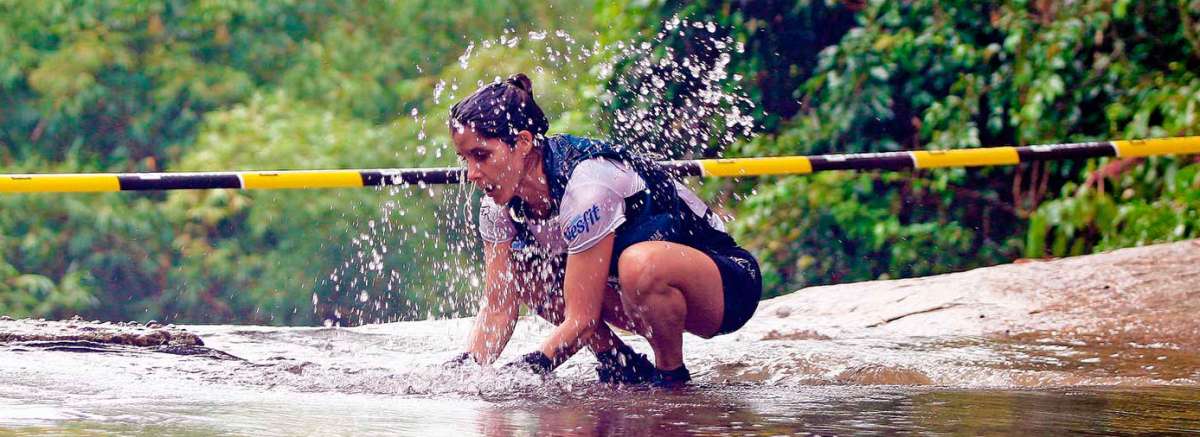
point(678, 100)
point(421, 259)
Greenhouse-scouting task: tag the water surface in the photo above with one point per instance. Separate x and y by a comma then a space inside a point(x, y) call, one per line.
point(1104, 344)
point(386, 379)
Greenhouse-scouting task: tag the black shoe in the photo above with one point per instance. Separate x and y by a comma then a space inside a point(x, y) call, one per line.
point(672, 378)
point(622, 365)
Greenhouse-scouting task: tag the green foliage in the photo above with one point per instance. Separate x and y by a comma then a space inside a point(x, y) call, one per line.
point(770, 47)
point(939, 75)
point(269, 251)
point(1154, 203)
point(140, 85)
point(175, 86)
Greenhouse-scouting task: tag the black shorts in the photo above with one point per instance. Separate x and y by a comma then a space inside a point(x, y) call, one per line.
point(741, 281)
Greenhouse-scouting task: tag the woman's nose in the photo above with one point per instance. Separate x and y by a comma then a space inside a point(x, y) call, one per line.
point(473, 175)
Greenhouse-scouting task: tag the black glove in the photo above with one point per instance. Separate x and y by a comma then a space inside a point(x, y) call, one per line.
point(458, 361)
point(622, 365)
point(534, 362)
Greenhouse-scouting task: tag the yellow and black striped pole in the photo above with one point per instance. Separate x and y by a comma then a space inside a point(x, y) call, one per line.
point(734, 167)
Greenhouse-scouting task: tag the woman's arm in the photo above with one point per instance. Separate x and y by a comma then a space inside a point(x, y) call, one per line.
point(498, 314)
point(583, 291)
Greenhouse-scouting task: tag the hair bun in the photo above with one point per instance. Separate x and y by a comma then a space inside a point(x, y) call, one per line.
point(520, 80)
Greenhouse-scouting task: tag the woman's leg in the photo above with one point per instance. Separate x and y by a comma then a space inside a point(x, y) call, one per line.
point(666, 289)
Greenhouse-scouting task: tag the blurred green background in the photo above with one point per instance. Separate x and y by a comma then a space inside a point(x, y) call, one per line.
point(131, 85)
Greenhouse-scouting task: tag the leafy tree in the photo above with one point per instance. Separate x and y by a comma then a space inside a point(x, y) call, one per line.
point(140, 85)
point(171, 86)
point(937, 75)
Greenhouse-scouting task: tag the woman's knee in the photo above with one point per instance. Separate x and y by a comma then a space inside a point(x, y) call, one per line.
point(637, 272)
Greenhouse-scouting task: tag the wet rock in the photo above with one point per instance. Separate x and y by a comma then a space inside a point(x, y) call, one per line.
point(874, 374)
point(5, 318)
point(805, 334)
point(740, 372)
point(68, 346)
point(25, 331)
point(196, 351)
point(1149, 293)
point(297, 369)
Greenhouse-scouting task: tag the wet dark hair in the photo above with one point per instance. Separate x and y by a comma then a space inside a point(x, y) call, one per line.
point(501, 110)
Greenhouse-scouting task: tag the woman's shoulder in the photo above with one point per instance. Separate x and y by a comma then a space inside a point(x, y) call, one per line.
point(491, 211)
point(609, 173)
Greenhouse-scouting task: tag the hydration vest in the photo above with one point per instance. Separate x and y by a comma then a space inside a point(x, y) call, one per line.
point(655, 214)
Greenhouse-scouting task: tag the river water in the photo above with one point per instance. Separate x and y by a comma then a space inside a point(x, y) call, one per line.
point(941, 355)
point(385, 379)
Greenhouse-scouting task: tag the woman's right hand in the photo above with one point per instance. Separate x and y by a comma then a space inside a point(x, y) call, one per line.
point(459, 362)
point(497, 317)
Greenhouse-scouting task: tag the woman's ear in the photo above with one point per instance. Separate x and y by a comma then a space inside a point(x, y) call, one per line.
point(524, 142)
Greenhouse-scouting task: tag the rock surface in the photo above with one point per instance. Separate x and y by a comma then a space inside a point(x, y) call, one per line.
point(1125, 317)
point(119, 333)
point(1147, 294)
point(77, 335)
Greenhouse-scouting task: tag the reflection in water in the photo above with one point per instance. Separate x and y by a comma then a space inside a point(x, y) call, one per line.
point(348, 382)
point(697, 411)
point(1085, 410)
point(709, 410)
point(853, 410)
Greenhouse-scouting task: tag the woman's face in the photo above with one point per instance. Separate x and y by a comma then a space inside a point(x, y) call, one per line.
point(492, 165)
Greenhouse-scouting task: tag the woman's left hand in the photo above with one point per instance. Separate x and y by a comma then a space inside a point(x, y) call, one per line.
point(534, 362)
point(583, 296)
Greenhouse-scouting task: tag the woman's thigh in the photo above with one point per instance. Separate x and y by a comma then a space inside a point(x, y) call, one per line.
point(683, 268)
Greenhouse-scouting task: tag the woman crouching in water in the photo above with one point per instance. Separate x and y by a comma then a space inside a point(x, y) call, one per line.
point(588, 234)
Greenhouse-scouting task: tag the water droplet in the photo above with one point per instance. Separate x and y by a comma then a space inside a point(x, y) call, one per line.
point(462, 60)
point(437, 90)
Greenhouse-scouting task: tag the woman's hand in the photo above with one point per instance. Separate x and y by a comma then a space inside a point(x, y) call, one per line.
point(533, 362)
point(499, 310)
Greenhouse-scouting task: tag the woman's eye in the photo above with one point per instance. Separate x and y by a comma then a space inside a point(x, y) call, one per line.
point(482, 156)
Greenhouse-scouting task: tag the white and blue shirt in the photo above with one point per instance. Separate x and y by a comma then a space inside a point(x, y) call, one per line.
point(593, 206)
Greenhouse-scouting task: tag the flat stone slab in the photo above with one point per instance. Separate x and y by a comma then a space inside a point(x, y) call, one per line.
point(76, 329)
point(1144, 294)
point(78, 335)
